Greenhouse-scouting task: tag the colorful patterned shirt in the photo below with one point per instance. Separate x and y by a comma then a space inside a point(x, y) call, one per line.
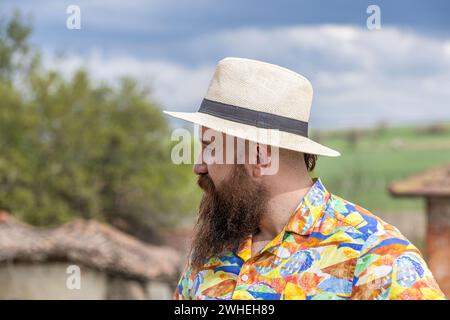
point(329, 249)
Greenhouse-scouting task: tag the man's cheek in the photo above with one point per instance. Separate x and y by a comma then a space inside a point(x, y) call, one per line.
point(209, 157)
point(216, 175)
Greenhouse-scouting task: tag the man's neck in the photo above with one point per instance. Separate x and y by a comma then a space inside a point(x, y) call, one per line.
point(286, 195)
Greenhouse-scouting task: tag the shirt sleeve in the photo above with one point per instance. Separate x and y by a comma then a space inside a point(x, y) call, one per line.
point(391, 268)
point(182, 291)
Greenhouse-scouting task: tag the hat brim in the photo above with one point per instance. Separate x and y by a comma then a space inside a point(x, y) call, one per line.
point(285, 140)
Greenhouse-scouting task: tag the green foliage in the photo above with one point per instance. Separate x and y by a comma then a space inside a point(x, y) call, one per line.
point(69, 147)
point(362, 175)
point(16, 57)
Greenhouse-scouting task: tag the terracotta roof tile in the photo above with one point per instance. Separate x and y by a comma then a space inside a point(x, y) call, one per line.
point(87, 242)
point(432, 182)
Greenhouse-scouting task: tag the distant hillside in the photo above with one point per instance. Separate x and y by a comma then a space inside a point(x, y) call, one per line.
point(371, 159)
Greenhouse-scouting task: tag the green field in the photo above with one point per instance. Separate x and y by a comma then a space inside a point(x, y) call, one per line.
point(371, 159)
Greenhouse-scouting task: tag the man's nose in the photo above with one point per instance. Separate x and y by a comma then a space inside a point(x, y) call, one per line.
point(200, 168)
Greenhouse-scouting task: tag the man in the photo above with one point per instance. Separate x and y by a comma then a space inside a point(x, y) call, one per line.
point(279, 234)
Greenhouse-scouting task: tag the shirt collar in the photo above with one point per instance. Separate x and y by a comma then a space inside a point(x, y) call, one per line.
point(302, 220)
point(309, 210)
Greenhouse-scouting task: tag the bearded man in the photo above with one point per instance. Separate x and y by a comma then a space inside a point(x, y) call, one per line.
point(280, 234)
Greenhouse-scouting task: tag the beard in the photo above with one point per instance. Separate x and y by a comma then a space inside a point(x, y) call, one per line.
point(228, 214)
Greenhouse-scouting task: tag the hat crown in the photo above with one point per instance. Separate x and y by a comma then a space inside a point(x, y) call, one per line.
point(261, 86)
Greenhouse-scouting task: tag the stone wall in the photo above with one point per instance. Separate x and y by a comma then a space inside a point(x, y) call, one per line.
point(49, 281)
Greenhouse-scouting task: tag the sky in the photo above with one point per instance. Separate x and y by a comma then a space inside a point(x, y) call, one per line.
point(399, 74)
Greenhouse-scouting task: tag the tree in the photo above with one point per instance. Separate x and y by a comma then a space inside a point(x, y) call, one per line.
point(71, 147)
point(16, 56)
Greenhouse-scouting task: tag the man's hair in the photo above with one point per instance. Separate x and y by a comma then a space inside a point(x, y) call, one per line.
point(310, 161)
point(294, 158)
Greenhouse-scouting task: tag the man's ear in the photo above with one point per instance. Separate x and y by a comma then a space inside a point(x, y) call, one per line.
point(263, 160)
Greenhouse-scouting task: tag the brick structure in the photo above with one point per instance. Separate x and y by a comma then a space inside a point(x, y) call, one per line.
point(434, 186)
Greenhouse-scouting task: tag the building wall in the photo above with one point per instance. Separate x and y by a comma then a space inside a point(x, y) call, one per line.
point(157, 290)
point(49, 281)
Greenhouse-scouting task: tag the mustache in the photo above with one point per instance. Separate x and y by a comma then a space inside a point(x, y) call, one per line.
point(205, 182)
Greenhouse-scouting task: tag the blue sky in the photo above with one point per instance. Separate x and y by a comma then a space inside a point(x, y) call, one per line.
point(399, 74)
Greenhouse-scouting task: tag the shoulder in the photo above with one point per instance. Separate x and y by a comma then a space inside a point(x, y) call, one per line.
point(364, 224)
point(388, 266)
point(375, 237)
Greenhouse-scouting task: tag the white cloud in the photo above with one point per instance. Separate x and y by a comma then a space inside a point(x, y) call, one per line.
point(174, 86)
point(360, 76)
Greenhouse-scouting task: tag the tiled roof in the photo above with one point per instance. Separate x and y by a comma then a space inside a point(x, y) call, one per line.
point(432, 182)
point(89, 243)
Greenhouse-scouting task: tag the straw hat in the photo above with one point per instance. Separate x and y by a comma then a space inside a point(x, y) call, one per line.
point(267, 100)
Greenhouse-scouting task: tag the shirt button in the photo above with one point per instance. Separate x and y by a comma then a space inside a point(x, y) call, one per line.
point(244, 277)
